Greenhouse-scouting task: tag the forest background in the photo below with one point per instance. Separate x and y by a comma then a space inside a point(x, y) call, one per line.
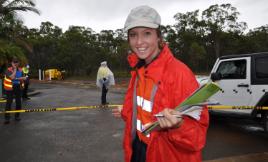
point(197, 38)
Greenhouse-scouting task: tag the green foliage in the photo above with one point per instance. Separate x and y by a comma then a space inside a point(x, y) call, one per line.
point(78, 50)
point(217, 20)
point(12, 31)
point(197, 57)
point(258, 39)
point(197, 38)
point(8, 51)
point(12, 6)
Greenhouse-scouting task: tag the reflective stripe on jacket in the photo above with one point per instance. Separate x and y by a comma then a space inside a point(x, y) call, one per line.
point(175, 83)
point(8, 84)
point(145, 92)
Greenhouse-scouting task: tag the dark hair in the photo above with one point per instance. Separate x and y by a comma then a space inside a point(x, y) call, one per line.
point(15, 59)
point(161, 43)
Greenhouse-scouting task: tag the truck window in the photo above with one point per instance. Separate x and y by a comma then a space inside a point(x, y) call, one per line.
point(261, 68)
point(234, 69)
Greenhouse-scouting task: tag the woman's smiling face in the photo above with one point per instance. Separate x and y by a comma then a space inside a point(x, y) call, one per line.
point(144, 42)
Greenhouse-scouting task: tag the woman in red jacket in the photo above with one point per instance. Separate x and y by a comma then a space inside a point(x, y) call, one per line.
point(158, 84)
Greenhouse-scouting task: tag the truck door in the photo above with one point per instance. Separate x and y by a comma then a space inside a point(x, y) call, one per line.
point(234, 81)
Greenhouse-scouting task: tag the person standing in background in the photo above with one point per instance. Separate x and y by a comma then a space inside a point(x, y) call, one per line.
point(12, 85)
point(1, 82)
point(2, 76)
point(105, 78)
point(26, 70)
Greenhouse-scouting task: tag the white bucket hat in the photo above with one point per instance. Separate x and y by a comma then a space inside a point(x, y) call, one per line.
point(142, 16)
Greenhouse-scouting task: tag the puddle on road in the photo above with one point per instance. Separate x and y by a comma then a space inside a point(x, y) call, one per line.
point(117, 135)
point(253, 128)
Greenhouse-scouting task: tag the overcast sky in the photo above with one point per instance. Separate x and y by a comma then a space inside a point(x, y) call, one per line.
point(111, 14)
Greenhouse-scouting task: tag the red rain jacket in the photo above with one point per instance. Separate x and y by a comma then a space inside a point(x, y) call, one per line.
point(175, 83)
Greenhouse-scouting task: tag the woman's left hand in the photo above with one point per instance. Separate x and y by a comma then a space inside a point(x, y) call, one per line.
point(170, 119)
point(117, 111)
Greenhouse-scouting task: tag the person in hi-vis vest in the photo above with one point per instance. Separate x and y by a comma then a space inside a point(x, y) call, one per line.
point(12, 85)
point(26, 70)
point(159, 83)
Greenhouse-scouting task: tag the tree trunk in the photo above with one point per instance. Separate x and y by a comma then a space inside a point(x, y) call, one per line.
point(217, 47)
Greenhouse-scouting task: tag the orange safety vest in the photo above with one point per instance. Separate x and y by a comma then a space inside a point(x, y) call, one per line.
point(144, 90)
point(8, 84)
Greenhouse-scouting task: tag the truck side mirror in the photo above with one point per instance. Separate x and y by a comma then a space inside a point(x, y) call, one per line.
point(215, 76)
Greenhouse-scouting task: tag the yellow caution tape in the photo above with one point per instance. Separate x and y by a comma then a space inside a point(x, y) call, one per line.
point(2, 100)
point(219, 107)
point(59, 109)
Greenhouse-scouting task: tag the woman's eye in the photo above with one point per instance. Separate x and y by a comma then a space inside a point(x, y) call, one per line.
point(132, 35)
point(148, 33)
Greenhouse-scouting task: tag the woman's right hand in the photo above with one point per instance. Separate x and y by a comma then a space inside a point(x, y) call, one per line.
point(117, 111)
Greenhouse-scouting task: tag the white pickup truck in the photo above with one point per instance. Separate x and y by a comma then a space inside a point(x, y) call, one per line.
point(244, 82)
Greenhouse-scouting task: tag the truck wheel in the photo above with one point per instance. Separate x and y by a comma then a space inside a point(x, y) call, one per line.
point(266, 124)
point(264, 117)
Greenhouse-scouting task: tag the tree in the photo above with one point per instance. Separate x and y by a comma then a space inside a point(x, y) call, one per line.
point(8, 11)
point(8, 7)
point(9, 50)
point(220, 18)
point(45, 45)
point(9, 41)
point(11, 27)
point(197, 57)
point(258, 39)
point(188, 38)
